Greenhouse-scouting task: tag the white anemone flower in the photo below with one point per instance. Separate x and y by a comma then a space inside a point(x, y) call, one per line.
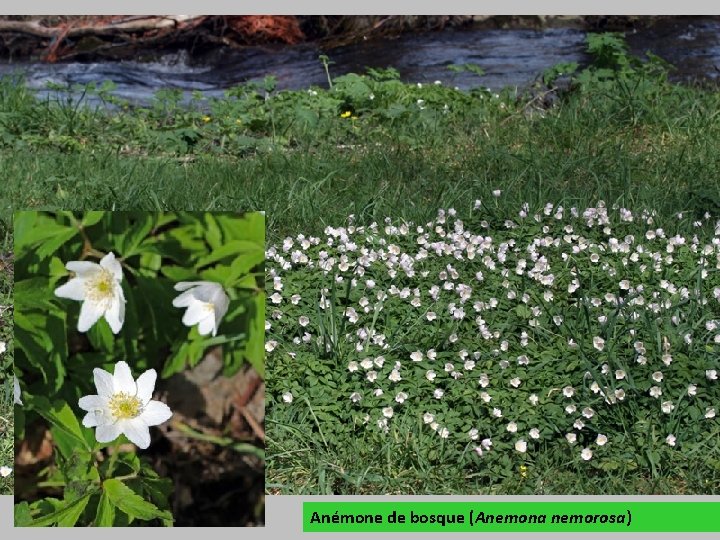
point(5, 471)
point(586, 454)
point(521, 446)
point(97, 286)
point(123, 406)
point(16, 387)
point(206, 304)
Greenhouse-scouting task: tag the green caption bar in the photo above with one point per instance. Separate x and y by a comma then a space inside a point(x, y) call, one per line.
point(511, 516)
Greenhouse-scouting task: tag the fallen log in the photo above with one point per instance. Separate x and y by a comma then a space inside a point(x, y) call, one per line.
point(94, 28)
point(52, 39)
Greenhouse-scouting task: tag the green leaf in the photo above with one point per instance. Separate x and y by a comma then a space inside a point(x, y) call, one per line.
point(64, 514)
point(105, 511)
point(213, 236)
point(74, 511)
point(185, 354)
point(132, 241)
point(92, 217)
point(60, 415)
point(233, 248)
point(101, 336)
point(256, 342)
point(131, 503)
point(33, 293)
point(22, 515)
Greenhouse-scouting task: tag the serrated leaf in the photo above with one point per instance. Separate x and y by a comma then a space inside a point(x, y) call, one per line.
point(105, 516)
point(73, 513)
point(66, 512)
point(131, 503)
point(22, 515)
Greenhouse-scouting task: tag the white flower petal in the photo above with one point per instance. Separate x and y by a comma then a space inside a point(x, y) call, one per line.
point(107, 432)
point(146, 385)
point(185, 285)
point(183, 300)
point(123, 380)
point(156, 412)
point(109, 262)
point(90, 403)
point(137, 432)
point(221, 306)
point(90, 312)
point(16, 388)
point(207, 325)
point(72, 290)
point(113, 316)
point(93, 419)
point(196, 312)
point(103, 382)
point(83, 268)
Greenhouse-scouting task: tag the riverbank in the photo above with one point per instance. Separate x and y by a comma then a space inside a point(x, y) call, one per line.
point(93, 38)
point(372, 146)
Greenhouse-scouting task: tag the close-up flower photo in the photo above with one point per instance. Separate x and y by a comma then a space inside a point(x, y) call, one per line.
point(139, 369)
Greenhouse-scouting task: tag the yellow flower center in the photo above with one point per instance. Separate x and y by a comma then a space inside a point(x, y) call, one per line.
point(100, 287)
point(123, 406)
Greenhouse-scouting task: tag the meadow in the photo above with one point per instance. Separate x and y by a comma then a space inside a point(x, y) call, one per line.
point(372, 146)
point(615, 138)
point(552, 350)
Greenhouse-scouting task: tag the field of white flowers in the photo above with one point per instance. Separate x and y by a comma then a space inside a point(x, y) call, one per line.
point(504, 347)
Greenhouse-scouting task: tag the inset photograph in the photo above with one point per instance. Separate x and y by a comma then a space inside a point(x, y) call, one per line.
point(139, 364)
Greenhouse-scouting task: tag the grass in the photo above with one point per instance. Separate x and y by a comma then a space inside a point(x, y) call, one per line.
point(321, 442)
point(7, 454)
point(300, 464)
point(633, 139)
point(621, 134)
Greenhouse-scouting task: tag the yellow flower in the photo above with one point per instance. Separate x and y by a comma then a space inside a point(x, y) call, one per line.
point(238, 121)
point(206, 119)
point(346, 114)
point(523, 471)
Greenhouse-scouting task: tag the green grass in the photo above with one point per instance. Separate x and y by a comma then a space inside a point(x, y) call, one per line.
point(621, 136)
point(301, 464)
point(7, 455)
point(321, 443)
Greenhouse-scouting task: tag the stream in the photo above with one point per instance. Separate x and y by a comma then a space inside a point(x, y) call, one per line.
point(510, 58)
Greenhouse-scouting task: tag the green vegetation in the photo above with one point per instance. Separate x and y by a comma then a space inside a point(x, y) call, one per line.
point(77, 363)
point(7, 455)
point(369, 147)
point(550, 350)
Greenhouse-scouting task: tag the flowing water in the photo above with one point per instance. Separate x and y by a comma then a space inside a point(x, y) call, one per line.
point(509, 58)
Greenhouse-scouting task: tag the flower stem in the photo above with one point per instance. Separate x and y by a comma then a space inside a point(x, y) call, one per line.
point(113, 459)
